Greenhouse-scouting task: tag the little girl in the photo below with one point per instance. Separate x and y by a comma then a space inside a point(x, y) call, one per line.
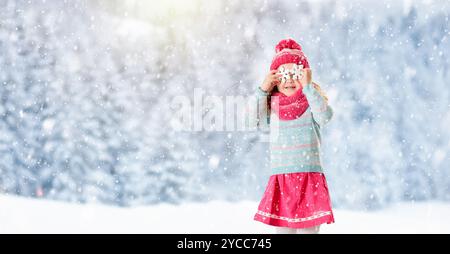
point(296, 199)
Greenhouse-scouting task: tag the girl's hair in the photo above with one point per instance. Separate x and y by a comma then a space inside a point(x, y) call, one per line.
point(317, 87)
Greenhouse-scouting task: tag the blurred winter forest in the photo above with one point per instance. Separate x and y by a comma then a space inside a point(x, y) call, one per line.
point(86, 90)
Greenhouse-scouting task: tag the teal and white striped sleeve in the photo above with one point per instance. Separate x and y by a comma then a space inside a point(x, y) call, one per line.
point(321, 111)
point(257, 113)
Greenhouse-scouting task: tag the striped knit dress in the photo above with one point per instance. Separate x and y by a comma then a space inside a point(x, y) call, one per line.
point(297, 194)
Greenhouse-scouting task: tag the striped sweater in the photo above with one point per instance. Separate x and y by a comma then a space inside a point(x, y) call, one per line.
point(295, 144)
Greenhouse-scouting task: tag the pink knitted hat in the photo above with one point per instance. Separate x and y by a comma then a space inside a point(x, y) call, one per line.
point(288, 51)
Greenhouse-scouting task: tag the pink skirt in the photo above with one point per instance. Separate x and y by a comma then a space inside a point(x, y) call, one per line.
point(296, 200)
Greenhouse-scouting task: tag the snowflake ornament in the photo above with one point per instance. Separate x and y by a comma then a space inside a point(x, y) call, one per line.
point(295, 73)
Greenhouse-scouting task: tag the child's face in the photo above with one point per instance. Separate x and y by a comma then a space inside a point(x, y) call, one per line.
point(291, 85)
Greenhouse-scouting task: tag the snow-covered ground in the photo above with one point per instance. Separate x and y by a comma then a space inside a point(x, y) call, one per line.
point(22, 215)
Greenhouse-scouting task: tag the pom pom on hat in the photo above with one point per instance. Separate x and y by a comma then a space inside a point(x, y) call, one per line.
point(288, 51)
point(287, 44)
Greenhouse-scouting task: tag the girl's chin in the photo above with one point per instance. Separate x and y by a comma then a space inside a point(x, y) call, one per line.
point(289, 92)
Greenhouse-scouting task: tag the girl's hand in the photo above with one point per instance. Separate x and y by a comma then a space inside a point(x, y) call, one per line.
point(306, 77)
point(271, 80)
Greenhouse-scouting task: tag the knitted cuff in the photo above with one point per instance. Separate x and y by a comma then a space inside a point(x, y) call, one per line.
point(261, 92)
point(308, 87)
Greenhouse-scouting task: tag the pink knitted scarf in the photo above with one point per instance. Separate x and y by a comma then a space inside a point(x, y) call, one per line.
point(289, 107)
